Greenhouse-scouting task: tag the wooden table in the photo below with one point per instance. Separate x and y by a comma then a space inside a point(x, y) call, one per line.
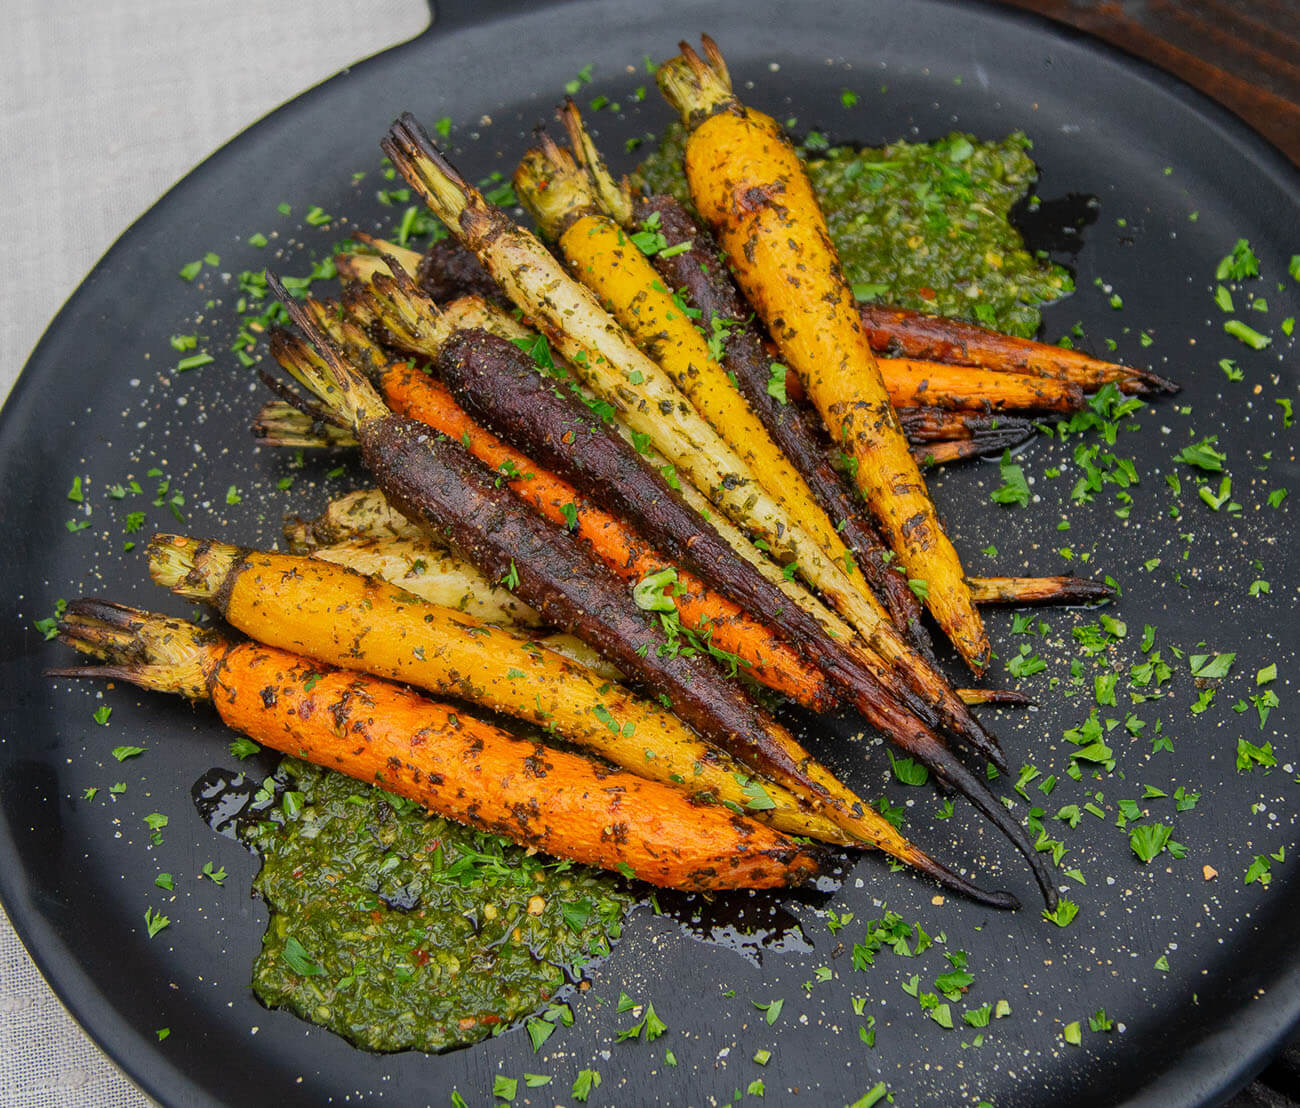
point(1243, 53)
point(1246, 55)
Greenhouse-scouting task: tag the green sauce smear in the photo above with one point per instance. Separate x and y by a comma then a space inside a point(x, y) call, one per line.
point(922, 225)
point(401, 930)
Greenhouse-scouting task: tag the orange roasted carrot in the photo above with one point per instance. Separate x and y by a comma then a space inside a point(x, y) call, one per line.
point(912, 383)
point(748, 184)
point(441, 757)
point(898, 332)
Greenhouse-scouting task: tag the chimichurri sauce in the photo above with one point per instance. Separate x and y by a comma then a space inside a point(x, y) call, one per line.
point(401, 930)
point(924, 225)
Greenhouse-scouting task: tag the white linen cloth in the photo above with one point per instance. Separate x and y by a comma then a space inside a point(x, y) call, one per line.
point(104, 78)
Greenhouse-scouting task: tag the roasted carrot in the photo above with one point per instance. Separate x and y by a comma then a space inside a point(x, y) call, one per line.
point(954, 450)
point(1002, 698)
point(748, 184)
point(344, 619)
point(942, 451)
point(622, 550)
point(433, 573)
point(419, 324)
point(1039, 590)
point(435, 482)
point(446, 490)
point(440, 757)
point(364, 513)
point(898, 332)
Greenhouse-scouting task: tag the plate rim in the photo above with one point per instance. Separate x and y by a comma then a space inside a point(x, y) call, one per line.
point(135, 1054)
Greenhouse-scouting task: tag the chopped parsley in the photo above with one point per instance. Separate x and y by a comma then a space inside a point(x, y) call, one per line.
point(776, 382)
point(1014, 488)
point(1238, 265)
point(154, 921)
point(1243, 332)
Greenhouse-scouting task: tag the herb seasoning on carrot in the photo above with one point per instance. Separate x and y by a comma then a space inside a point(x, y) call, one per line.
point(748, 184)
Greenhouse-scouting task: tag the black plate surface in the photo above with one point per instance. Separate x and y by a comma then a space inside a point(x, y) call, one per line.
point(99, 399)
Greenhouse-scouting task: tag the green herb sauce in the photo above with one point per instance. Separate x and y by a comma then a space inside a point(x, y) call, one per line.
point(924, 225)
point(400, 930)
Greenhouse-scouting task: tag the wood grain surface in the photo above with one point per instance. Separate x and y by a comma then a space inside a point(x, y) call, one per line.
point(1243, 53)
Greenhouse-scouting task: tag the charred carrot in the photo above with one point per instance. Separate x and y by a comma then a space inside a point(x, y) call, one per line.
point(940, 451)
point(435, 482)
point(440, 757)
point(749, 185)
point(898, 332)
point(926, 425)
point(955, 450)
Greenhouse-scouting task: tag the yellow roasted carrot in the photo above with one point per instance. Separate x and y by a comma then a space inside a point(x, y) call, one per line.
point(749, 185)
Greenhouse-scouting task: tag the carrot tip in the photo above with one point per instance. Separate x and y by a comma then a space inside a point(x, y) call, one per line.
point(958, 884)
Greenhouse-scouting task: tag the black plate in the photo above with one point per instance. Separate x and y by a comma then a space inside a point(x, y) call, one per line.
point(99, 399)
